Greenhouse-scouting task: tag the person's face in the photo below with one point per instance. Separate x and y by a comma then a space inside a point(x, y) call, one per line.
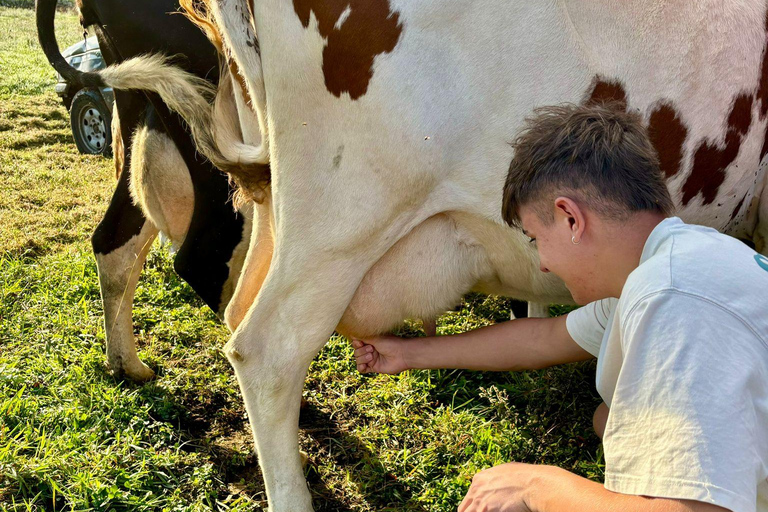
point(557, 251)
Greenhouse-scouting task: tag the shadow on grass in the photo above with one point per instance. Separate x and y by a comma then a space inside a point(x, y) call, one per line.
point(44, 139)
point(211, 424)
point(382, 490)
point(55, 115)
point(34, 249)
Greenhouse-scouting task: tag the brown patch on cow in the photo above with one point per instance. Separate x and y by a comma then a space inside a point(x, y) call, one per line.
point(740, 118)
point(738, 208)
point(667, 133)
point(710, 161)
point(762, 90)
point(369, 30)
point(666, 130)
point(608, 92)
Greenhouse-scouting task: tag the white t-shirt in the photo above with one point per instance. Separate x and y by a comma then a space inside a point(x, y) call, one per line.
point(682, 362)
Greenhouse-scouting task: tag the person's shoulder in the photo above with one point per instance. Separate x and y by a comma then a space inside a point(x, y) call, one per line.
point(672, 320)
point(700, 272)
point(716, 266)
point(700, 261)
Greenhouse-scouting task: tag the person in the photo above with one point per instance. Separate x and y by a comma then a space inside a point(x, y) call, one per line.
point(674, 313)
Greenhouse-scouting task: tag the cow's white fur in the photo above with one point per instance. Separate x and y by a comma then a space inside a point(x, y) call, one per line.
point(364, 191)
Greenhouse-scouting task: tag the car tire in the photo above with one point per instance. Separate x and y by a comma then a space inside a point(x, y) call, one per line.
point(91, 123)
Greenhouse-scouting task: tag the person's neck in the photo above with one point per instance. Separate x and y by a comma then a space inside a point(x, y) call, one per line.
point(627, 248)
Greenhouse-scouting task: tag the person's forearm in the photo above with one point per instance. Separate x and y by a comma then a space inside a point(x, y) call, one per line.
point(525, 344)
point(557, 490)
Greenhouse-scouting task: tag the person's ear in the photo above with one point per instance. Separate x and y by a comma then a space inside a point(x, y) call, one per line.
point(569, 212)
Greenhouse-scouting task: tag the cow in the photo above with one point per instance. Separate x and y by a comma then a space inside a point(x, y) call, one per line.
point(386, 124)
point(163, 184)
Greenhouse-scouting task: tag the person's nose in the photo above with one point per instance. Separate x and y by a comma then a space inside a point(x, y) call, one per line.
point(543, 267)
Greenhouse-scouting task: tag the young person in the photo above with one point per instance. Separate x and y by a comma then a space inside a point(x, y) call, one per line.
point(675, 314)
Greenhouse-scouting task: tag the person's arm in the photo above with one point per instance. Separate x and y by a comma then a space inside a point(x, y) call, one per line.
point(525, 344)
point(529, 488)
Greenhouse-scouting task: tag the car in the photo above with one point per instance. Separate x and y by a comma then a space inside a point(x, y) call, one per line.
point(90, 108)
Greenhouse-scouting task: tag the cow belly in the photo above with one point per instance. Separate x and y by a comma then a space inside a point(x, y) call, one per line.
point(423, 275)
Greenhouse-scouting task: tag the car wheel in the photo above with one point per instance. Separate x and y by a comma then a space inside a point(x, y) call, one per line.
point(91, 123)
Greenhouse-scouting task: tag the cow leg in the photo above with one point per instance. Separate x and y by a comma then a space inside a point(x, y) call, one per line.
point(316, 268)
point(430, 327)
point(120, 244)
point(119, 271)
point(293, 316)
point(256, 264)
point(160, 185)
point(537, 310)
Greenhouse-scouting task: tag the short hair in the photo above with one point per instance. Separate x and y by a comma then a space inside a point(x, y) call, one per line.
point(599, 153)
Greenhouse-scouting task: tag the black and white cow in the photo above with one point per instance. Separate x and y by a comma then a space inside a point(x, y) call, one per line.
point(163, 183)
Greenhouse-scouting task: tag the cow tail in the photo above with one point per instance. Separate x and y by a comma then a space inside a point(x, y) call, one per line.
point(192, 98)
point(188, 95)
point(239, 38)
point(45, 11)
point(245, 141)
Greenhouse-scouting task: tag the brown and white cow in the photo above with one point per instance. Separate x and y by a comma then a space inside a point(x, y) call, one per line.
point(386, 124)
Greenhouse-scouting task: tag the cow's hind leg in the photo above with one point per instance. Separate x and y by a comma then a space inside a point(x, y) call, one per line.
point(318, 264)
point(270, 351)
point(119, 272)
point(120, 244)
point(256, 264)
point(537, 310)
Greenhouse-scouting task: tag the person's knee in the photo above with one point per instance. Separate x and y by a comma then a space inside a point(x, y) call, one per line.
point(599, 419)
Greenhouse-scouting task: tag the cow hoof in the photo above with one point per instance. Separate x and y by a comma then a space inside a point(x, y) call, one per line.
point(143, 374)
point(304, 459)
point(136, 373)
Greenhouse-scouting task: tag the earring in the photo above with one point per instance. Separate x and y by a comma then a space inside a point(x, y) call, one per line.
point(573, 240)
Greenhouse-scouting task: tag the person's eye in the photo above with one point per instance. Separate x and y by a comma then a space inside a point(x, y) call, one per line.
point(531, 240)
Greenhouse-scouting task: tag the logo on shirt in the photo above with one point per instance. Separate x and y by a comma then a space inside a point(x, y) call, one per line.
point(762, 261)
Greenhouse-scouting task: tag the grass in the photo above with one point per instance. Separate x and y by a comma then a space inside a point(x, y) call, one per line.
point(74, 438)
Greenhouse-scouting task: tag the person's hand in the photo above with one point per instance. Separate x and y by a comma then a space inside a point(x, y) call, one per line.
point(383, 354)
point(504, 488)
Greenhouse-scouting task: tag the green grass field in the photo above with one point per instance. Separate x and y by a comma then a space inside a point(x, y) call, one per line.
point(74, 438)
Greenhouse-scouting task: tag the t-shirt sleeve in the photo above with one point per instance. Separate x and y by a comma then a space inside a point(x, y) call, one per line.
point(587, 325)
point(682, 422)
